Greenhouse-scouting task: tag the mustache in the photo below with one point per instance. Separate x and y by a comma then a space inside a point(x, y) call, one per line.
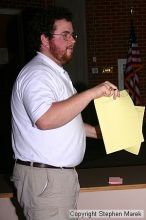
point(70, 47)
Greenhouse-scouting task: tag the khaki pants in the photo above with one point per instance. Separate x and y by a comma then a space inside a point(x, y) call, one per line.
point(44, 193)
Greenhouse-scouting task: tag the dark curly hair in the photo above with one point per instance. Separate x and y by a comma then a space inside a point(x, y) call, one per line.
point(43, 23)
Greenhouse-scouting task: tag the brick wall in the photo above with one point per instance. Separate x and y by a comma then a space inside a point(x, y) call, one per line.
point(108, 28)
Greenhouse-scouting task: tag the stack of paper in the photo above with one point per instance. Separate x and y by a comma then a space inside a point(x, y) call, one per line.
point(120, 122)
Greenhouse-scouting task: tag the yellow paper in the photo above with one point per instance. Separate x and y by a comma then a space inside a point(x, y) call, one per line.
point(135, 149)
point(118, 121)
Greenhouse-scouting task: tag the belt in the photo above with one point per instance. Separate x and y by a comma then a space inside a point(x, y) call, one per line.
point(40, 165)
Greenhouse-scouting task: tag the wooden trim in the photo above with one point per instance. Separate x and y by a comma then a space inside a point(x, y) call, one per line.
point(6, 195)
point(113, 187)
point(94, 189)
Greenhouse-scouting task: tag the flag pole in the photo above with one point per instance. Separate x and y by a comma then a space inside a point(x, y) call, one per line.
point(131, 8)
point(132, 11)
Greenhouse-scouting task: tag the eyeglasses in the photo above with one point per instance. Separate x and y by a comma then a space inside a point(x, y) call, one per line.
point(67, 35)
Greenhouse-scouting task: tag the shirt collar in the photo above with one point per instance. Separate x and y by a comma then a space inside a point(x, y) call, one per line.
point(51, 62)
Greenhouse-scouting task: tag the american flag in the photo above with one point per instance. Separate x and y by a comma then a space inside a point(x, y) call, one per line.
point(132, 68)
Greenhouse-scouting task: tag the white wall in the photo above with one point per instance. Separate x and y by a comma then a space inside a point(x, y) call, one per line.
point(7, 210)
point(113, 199)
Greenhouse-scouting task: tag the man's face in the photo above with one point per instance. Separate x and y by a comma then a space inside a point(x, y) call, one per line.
point(62, 42)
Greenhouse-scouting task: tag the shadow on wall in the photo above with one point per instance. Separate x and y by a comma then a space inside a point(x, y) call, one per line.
point(18, 209)
point(8, 72)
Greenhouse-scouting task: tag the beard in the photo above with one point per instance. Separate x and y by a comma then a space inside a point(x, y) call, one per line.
point(63, 56)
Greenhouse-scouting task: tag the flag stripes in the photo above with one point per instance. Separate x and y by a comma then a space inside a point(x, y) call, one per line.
point(133, 66)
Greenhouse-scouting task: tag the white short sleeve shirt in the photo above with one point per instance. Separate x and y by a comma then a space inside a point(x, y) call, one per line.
point(40, 83)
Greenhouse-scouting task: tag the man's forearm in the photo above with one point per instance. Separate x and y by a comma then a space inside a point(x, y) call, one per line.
point(64, 111)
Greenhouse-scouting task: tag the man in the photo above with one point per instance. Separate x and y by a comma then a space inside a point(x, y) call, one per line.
point(48, 134)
